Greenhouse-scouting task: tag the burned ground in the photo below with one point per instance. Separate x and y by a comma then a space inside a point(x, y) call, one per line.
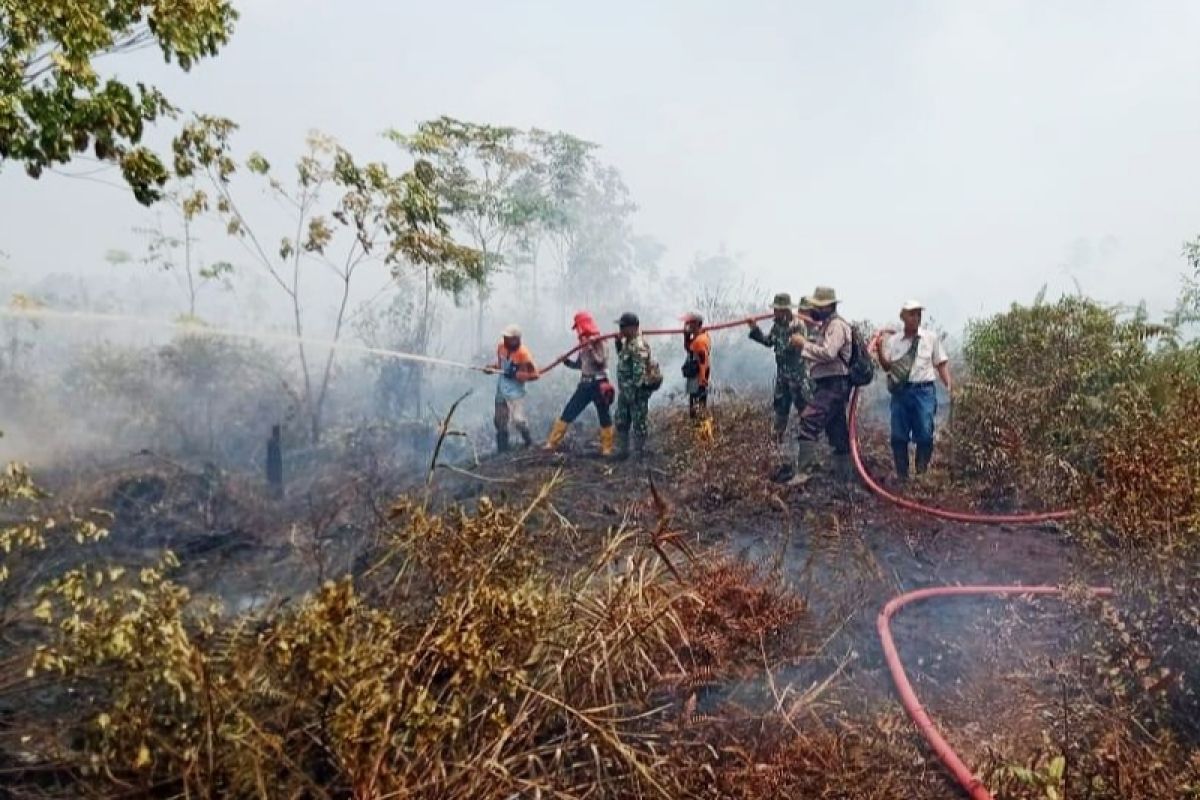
point(780, 686)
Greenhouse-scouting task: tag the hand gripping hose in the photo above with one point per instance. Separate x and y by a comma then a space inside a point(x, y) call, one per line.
point(655, 332)
point(974, 787)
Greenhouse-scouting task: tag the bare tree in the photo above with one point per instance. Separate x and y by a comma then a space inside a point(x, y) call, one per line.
point(343, 216)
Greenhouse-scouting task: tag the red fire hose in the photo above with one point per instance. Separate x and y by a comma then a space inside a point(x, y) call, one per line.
point(912, 505)
point(908, 697)
point(942, 513)
point(657, 332)
point(872, 484)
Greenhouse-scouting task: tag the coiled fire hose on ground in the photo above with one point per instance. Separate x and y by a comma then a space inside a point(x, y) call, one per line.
point(973, 785)
point(1032, 518)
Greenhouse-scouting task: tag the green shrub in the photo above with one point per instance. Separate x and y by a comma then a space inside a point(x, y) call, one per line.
point(1080, 405)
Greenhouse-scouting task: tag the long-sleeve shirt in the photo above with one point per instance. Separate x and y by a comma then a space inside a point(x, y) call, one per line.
point(829, 355)
point(788, 361)
point(591, 360)
point(633, 359)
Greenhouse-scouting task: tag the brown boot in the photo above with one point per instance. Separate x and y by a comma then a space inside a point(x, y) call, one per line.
point(557, 434)
point(606, 441)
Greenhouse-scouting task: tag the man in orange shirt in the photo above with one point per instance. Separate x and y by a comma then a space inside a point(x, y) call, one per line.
point(697, 367)
point(514, 365)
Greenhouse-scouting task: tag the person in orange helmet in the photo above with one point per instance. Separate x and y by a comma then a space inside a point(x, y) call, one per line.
point(594, 387)
point(697, 365)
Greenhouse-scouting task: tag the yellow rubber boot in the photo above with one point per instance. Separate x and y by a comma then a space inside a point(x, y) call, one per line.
point(606, 441)
point(557, 434)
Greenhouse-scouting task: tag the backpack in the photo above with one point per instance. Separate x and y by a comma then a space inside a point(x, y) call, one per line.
point(861, 367)
point(653, 379)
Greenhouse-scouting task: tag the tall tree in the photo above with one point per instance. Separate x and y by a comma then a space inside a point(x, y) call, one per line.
point(549, 193)
point(599, 248)
point(54, 104)
point(344, 215)
point(479, 182)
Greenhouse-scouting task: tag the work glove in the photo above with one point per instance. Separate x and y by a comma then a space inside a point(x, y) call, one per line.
point(607, 392)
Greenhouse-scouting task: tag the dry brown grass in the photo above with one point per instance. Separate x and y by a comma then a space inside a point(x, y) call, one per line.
point(457, 668)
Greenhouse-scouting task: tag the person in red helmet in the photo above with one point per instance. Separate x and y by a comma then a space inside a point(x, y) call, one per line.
point(594, 387)
point(697, 365)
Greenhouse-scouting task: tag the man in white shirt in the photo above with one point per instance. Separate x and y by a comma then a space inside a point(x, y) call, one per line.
point(914, 359)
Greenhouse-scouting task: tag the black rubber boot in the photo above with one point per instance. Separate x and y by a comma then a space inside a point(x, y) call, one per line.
point(924, 456)
point(780, 428)
point(622, 445)
point(526, 436)
point(843, 467)
point(639, 446)
point(900, 457)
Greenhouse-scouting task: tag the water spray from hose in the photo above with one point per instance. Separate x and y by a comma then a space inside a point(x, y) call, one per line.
point(194, 328)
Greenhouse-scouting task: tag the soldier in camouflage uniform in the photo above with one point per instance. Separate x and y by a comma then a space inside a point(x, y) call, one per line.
point(633, 395)
point(793, 388)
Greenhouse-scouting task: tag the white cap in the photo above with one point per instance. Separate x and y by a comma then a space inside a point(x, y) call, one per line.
point(511, 332)
point(912, 305)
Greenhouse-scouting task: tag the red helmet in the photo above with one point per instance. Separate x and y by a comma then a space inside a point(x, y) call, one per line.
point(585, 324)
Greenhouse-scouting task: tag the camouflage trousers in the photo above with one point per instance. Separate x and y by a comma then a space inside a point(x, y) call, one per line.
point(632, 417)
point(789, 393)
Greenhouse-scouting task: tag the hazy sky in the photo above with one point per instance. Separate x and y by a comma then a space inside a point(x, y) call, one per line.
point(960, 152)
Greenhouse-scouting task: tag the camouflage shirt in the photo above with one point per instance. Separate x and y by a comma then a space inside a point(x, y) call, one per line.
point(632, 359)
point(788, 360)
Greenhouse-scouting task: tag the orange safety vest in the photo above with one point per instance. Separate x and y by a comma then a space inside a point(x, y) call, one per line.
point(701, 348)
point(526, 370)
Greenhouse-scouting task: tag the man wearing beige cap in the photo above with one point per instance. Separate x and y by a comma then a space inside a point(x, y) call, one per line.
point(514, 364)
point(914, 359)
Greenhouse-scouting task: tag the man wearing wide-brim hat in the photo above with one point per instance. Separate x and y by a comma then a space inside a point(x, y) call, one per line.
point(914, 359)
point(792, 385)
point(828, 359)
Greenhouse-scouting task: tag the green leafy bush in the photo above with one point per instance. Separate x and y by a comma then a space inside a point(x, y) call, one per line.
point(1075, 404)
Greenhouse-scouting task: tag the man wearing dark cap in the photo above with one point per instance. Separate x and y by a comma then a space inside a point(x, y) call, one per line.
point(635, 379)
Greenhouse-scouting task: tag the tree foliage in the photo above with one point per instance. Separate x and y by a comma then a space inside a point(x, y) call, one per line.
point(480, 174)
point(344, 215)
point(55, 104)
